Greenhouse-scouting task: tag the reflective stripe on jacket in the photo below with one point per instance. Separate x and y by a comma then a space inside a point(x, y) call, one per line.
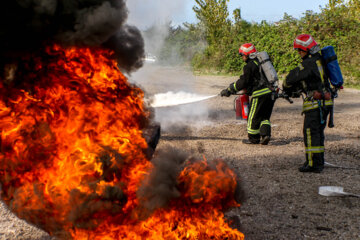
point(261, 92)
point(313, 104)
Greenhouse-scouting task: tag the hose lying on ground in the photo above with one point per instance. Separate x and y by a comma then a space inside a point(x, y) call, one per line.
point(336, 166)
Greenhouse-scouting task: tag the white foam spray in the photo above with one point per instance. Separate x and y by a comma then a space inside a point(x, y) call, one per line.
point(162, 85)
point(179, 98)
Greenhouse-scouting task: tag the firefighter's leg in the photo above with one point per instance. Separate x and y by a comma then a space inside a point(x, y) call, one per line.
point(306, 163)
point(326, 112)
point(265, 109)
point(314, 144)
point(265, 128)
point(253, 123)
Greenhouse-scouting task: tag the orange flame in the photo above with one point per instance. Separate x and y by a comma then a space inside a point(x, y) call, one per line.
point(73, 156)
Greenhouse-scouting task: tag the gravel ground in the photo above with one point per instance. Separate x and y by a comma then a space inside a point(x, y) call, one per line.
point(281, 203)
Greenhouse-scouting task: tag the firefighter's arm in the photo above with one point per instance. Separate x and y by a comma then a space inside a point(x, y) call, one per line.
point(296, 76)
point(242, 82)
point(292, 82)
point(230, 90)
point(291, 79)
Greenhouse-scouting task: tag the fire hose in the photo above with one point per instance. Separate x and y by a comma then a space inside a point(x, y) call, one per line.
point(331, 113)
point(284, 96)
point(336, 166)
point(276, 95)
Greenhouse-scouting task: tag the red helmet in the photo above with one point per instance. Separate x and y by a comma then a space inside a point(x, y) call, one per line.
point(246, 49)
point(304, 42)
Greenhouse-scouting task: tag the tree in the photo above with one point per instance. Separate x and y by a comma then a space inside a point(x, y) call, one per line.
point(354, 6)
point(333, 3)
point(237, 15)
point(213, 14)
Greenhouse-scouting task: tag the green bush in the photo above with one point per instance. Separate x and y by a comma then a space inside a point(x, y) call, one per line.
point(337, 26)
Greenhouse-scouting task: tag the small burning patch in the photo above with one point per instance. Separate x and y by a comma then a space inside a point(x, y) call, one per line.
point(73, 157)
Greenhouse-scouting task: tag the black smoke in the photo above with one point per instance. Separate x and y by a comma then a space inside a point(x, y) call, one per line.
point(29, 25)
point(162, 184)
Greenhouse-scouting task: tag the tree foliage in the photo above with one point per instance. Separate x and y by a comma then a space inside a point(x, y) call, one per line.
point(337, 24)
point(213, 14)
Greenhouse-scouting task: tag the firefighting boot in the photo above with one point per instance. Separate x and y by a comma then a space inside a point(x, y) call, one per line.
point(311, 169)
point(251, 141)
point(265, 140)
point(307, 168)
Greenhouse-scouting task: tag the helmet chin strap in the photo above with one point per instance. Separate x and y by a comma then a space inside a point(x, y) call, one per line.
point(252, 55)
point(314, 49)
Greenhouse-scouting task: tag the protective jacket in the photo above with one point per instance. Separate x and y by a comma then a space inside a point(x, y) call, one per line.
point(310, 78)
point(251, 80)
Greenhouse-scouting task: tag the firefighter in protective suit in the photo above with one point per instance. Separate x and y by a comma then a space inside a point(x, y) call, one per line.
point(261, 103)
point(310, 79)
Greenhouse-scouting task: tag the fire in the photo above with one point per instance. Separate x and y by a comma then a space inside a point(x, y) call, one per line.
point(73, 156)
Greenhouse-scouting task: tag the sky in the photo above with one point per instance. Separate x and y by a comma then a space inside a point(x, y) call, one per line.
point(143, 13)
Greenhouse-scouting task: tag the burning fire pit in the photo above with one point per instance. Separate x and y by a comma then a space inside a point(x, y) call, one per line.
point(76, 140)
point(74, 157)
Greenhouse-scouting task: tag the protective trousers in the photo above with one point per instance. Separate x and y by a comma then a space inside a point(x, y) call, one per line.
point(258, 123)
point(314, 125)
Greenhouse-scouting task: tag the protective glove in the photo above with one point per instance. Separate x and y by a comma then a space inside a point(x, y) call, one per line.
point(225, 93)
point(317, 95)
point(295, 94)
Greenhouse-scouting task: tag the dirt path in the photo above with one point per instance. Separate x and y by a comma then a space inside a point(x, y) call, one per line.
point(281, 203)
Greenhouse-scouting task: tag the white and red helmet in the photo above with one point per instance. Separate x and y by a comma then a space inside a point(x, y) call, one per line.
point(246, 49)
point(304, 42)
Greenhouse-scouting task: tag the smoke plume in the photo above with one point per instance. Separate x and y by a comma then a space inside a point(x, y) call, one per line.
point(148, 13)
point(161, 184)
point(154, 19)
point(28, 25)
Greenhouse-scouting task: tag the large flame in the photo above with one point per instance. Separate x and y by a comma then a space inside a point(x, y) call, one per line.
point(73, 156)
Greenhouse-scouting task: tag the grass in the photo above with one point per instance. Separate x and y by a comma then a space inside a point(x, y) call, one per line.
point(355, 86)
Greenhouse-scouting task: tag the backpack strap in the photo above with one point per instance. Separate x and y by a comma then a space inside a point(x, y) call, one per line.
point(330, 59)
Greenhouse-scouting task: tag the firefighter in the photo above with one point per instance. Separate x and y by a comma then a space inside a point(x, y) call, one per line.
point(261, 103)
point(310, 79)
